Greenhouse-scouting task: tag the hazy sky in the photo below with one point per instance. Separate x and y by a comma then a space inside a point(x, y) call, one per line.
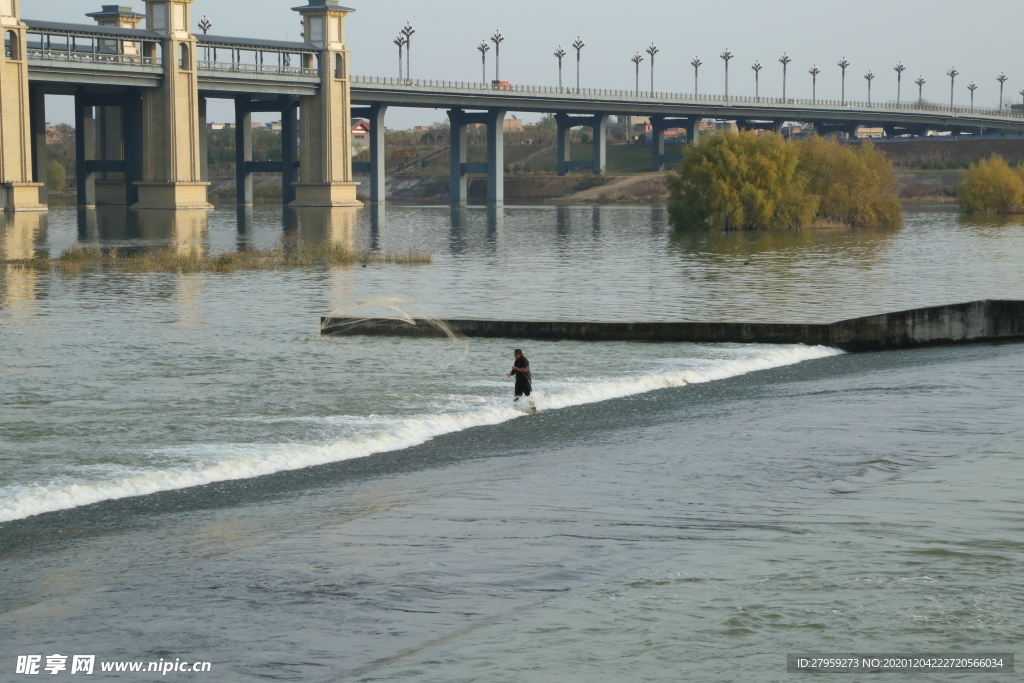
point(980, 39)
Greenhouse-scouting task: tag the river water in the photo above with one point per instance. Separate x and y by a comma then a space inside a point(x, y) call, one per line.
point(188, 471)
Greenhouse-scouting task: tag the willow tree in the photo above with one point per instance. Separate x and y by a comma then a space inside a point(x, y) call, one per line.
point(991, 186)
point(854, 184)
point(740, 181)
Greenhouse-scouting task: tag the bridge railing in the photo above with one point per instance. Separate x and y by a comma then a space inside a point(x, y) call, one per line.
point(257, 57)
point(633, 97)
point(85, 48)
point(240, 68)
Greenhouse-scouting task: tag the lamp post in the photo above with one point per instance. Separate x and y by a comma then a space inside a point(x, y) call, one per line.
point(579, 45)
point(842, 65)
point(920, 90)
point(972, 87)
point(784, 60)
point(484, 49)
point(205, 25)
point(652, 50)
point(952, 73)
point(1021, 93)
point(400, 41)
point(696, 64)
point(756, 66)
point(498, 39)
point(869, 77)
point(1002, 78)
point(559, 53)
point(814, 71)
point(899, 69)
point(726, 56)
point(636, 59)
point(407, 31)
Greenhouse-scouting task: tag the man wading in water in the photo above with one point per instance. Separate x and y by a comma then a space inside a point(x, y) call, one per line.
point(521, 369)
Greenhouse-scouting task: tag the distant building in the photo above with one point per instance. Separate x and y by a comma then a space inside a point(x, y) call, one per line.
point(217, 126)
point(360, 135)
point(865, 132)
point(513, 125)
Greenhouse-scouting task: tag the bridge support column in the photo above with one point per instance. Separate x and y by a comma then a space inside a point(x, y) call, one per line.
point(204, 143)
point(325, 152)
point(134, 140)
point(657, 143)
point(40, 159)
point(693, 130)
point(496, 156)
point(457, 185)
point(374, 114)
point(85, 151)
point(243, 151)
point(109, 147)
point(172, 178)
point(564, 155)
point(290, 163)
point(18, 189)
point(599, 123)
point(777, 126)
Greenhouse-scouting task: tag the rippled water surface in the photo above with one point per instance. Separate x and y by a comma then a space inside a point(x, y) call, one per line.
point(188, 470)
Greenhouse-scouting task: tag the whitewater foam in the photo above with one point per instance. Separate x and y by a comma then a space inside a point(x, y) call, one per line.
point(234, 461)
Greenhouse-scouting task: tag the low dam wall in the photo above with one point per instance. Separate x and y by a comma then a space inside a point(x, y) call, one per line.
point(976, 321)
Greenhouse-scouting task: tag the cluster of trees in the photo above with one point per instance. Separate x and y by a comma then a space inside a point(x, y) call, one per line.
point(749, 182)
point(992, 186)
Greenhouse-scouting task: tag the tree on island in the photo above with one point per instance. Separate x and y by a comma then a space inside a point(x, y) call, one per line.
point(755, 182)
point(991, 186)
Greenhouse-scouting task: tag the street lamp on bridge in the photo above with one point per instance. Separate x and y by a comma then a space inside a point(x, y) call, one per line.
point(559, 53)
point(1002, 78)
point(652, 50)
point(972, 87)
point(726, 56)
point(636, 59)
point(484, 49)
point(205, 25)
point(869, 77)
point(842, 65)
point(401, 42)
point(952, 73)
point(814, 71)
point(920, 90)
point(899, 69)
point(407, 32)
point(784, 60)
point(696, 64)
point(497, 39)
point(579, 45)
point(757, 79)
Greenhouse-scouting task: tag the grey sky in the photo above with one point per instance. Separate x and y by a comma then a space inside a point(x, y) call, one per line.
point(981, 40)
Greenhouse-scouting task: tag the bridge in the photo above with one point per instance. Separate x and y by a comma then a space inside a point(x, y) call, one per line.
point(141, 93)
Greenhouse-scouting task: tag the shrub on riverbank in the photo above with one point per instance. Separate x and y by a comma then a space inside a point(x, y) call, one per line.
point(752, 182)
point(991, 186)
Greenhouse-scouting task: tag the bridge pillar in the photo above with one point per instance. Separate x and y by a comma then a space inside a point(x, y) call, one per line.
point(374, 114)
point(290, 149)
point(325, 153)
point(777, 126)
point(18, 190)
point(692, 129)
point(564, 124)
point(172, 176)
point(85, 150)
point(243, 151)
point(496, 156)
point(600, 123)
point(657, 143)
point(204, 143)
point(457, 185)
point(40, 159)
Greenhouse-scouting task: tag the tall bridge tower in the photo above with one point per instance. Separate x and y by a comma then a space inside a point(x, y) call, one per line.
point(171, 167)
point(325, 147)
point(18, 192)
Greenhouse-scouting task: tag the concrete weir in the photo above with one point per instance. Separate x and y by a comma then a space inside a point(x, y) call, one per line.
point(975, 321)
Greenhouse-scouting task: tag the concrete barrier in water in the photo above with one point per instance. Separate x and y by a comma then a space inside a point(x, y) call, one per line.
point(975, 321)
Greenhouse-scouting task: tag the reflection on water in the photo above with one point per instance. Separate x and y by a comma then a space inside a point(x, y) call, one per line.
point(602, 263)
point(22, 236)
